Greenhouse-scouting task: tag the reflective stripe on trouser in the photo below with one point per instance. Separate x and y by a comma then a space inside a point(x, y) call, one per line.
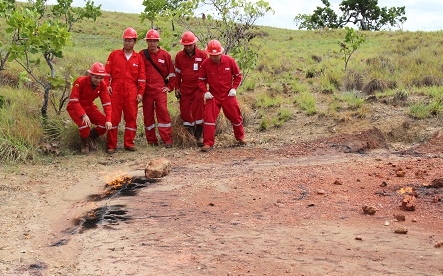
point(124, 100)
point(231, 110)
point(97, 118)
point(191, 109)
point(156, 105)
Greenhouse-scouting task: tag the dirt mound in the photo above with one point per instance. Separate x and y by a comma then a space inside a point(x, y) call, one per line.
point(433, 146)
point(359, 142)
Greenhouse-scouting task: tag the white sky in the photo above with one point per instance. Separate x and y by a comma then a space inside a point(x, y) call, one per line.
point(423, 15)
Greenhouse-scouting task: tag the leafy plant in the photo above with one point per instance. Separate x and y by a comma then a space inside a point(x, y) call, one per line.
point(350, 44)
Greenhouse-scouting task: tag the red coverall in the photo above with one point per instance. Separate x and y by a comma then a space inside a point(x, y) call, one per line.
point(81, 102)
point(127, 79)
point(220, 77)
point(191, 99)
point(155, 101)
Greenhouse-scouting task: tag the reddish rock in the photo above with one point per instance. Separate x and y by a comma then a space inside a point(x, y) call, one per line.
point(157, 168)
point(408, 203)
point(370, 210)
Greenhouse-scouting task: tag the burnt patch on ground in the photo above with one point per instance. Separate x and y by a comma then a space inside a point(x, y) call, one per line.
point(106, 215)
point(122, 186)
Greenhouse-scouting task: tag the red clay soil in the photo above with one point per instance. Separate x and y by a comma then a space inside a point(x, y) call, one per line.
point(292, 209)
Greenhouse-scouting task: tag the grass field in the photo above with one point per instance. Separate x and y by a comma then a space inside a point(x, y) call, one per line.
point(296, 71)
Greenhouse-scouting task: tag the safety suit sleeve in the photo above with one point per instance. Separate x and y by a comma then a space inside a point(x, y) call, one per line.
point(106, 100)
point(236, 75)
point(178, 75)
point(202, 78)
point(171, 73)
point(141, 82)
point(108, 69)
point(74, 100)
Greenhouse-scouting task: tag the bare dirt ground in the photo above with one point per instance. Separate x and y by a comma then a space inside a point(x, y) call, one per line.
point(289, 203)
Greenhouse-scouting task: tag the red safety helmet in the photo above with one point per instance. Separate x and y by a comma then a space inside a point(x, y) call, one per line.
point(188, 38)
point(152, 34)
point(130, 33)
point(97, 69)
point(214, 48)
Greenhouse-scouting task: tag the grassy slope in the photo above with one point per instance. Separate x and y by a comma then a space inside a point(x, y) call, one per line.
point(294, 66)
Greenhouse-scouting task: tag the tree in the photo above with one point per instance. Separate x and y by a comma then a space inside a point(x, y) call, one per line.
point(166, 9)
point(34, 35)
point(350, 44)
point(366, 14)
point(232, 22)
point(70, 15)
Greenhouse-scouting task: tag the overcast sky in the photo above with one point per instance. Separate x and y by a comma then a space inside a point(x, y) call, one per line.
point(423, 15)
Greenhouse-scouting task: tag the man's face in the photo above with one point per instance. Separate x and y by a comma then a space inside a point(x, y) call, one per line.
point(216, 58)
point(189, 49)
point(152, 44)
point(128, 43)
point(95, 80)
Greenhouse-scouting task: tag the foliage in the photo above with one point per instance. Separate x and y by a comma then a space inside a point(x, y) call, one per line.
point(306, 101)
point(33, 36)
point(167, 9)
point(70, 15)
point(366, 14)
point(232, 22)
point(19, 132)
point(350, 44)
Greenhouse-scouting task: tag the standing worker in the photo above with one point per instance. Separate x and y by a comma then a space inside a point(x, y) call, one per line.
point(84, 112)
point(219, 78)
point(187, 65)
point(160, 79)
point(126, 84)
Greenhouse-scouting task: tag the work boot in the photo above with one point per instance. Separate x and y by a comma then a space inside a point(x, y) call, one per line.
point(85, 146)
point(190, 129)
point(242, 142)
point(198, 134)
point(206, 148)
point(93, 135)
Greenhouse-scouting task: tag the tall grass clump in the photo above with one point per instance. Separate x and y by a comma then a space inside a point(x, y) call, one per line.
point(306, 101)
point(20, 128)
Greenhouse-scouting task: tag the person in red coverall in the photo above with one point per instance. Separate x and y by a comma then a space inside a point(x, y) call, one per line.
point(84, 112)
point(160, 78)
point(126, 84)
point(219, 78)
point(187, 65)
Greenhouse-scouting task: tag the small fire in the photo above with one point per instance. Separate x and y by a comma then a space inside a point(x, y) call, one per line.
point(406, 190)
point(119, 182)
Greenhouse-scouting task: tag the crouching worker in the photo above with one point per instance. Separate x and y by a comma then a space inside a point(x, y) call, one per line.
point(84, 112)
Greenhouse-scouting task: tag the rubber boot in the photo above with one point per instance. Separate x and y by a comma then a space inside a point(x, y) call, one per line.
point(93, 135)
point(190, 129)
point(85, 146)
point(198, 134)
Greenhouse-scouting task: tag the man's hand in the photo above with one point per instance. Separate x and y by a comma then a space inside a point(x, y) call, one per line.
point(86, 120)
point(166, 89)
point(208, 96)
point(139, 98)
point(232, 92)
point(108, 125)
point(109, 90)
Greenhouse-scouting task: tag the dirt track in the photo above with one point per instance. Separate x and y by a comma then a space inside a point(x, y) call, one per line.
point(233, 211)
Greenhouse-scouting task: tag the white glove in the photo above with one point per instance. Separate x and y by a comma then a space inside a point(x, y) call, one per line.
point(208, 95)
point(232, 92)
